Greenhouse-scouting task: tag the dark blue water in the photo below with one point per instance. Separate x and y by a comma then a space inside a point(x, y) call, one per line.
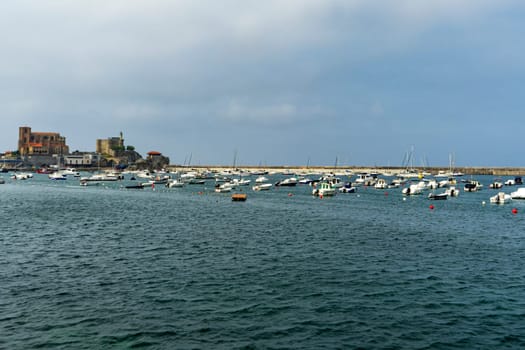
point(103, 267)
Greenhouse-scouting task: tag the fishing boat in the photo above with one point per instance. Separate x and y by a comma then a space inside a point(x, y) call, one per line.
point(323, 189)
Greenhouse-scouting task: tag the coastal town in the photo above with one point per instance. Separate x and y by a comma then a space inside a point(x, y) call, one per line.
point(42, 150)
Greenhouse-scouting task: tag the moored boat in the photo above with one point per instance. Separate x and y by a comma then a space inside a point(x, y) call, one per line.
point(438, 196)
point(518, 194)
point(500, 198)
point(290, 181)
point(262, 187)
point(323, 189)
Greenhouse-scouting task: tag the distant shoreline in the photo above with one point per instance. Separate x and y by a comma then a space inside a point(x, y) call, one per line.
point(495, 171)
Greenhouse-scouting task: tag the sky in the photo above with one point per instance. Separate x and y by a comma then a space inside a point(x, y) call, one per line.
point(289, 82)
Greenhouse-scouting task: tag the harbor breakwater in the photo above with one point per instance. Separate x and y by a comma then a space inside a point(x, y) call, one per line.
point(495, 171)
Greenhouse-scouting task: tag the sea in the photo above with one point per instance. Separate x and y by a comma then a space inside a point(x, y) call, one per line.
point(105, 267)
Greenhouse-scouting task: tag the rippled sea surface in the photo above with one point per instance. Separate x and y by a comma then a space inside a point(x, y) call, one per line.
point(103, 267)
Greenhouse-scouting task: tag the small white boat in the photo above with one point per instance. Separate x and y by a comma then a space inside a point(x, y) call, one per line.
point(496, 184)
point(57, 176)
point(241, 182)
point(262, 187)
point(290, 181)
point(261, 179)
point(518, 194)
point(223, 188)
point(510, 182)
point(175, 183)
point(70, 171)
point(452, 191)
point(438, 196)
point(412, 190)
point(21, 176)
point(100, 177)
point(500, 198)
point(381, 184)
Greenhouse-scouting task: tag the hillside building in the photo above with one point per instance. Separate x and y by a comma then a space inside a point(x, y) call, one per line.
point(110, 146)
point(40, 143)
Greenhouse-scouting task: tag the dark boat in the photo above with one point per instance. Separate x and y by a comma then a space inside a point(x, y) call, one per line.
point(135, 186)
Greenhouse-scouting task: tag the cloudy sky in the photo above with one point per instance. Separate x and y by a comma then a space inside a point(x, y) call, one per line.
point(276, 82)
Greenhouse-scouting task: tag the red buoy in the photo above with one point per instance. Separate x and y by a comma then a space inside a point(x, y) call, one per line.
point(386, 193)
point(514, 211)
point(431, 206)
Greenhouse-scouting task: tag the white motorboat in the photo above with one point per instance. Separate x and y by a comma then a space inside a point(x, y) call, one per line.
point(175, 183)
point(438, 196)
point(262, 187)
point(70, 171)
point(261, 179)
point(223, 188)
point(290, 181)
point(241, 182)
point(452, 191)
point(518, 194)
point(57, 175)
point(381, 184)
point(21, 176)
point(496, 184)
point(500, 198)
point(412, 190)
